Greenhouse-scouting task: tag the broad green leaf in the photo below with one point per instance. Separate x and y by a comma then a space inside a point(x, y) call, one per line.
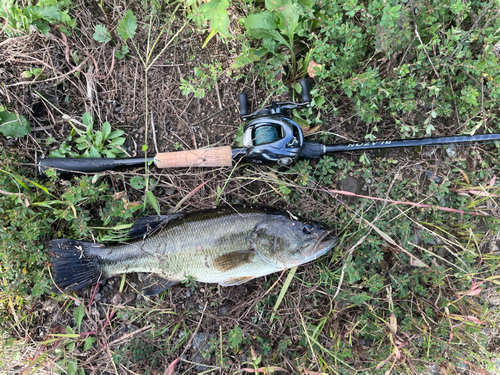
point(209, 37)
point(306, 3)
point(72, 367)
point(93, 153)
point(13, 125)
point(79, 313)
point(215, 12)
point(270, 44)
point(89, 341)
point(106, 130)
point(117, 142)
point(115, 134)
point(127, 26)
point(277, 5)
point(82, 146)
point(33, 72)
point(248, 56)
point(288, 14)
point(98, 139)
point(88, 121)
point(239, 136)
point(51, 13)
point(137, 182)
point(118, 152)
point(120, 54)
point(101, 34)
point(152, 200)
point(264, 33)
point(57, 154)
point(264, 20)
point(43, 27)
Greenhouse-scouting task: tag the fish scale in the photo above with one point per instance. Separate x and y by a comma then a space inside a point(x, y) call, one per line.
point(217, 246)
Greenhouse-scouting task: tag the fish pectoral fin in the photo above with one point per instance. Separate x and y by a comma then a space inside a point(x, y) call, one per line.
point(155, 284)
point(237, 280)
point(148, 225)
point(234, 259)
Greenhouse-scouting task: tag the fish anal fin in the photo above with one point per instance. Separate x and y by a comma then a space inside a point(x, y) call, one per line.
point(237, 280)
point(148, 225)
point(155, 284)
point(233, 260)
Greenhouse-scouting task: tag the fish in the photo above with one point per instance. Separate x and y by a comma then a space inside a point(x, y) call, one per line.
point(226, 245)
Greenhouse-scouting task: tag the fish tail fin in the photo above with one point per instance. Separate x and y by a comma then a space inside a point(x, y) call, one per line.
point(76, 264)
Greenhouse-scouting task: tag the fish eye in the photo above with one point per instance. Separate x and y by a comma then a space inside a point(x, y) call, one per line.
point(307, 228)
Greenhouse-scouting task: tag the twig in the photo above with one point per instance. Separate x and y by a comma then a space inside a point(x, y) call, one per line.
point(454, 102)
point(48, 79)
point(90, 86)
point(218, 95)
point(154, 132)
point(404, 55)
point(209, 117)
point(470, 31)
point(135, 85)
point(128, 335)
point(412, 10)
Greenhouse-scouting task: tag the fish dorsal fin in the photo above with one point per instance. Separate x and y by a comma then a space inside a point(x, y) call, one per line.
point(237, 280)
point(155, 284)
point(234, 259)
point(148, 225)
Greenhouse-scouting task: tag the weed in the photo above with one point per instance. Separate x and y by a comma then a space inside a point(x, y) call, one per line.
point(281, 24)
point(213, 13)
point(40, 16)
point(13, 124)
point(101, 34)
point(205, 78)
point(341, 46)
point(126, 29)
point(35, 73)
point(235, 338)
point(189, 282)
point(93, 143)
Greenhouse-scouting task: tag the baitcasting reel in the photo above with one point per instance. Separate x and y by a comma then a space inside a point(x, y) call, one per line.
point(269, 136)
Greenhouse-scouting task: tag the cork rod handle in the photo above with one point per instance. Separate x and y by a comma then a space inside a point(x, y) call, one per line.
point(202, 157)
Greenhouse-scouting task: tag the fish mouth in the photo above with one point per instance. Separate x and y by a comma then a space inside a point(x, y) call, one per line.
point(324, 244)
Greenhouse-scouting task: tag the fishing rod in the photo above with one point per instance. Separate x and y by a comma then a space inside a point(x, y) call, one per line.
point(270, 137)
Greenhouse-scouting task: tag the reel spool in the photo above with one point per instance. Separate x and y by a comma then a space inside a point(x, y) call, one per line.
point(265, 134)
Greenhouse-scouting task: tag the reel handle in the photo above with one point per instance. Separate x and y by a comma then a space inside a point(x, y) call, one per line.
point(242, 98)
point(306, 90)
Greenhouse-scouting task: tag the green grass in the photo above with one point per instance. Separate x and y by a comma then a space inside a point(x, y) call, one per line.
point(413, 284)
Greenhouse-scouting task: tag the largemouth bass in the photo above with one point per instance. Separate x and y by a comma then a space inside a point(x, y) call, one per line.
point(225, 245)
